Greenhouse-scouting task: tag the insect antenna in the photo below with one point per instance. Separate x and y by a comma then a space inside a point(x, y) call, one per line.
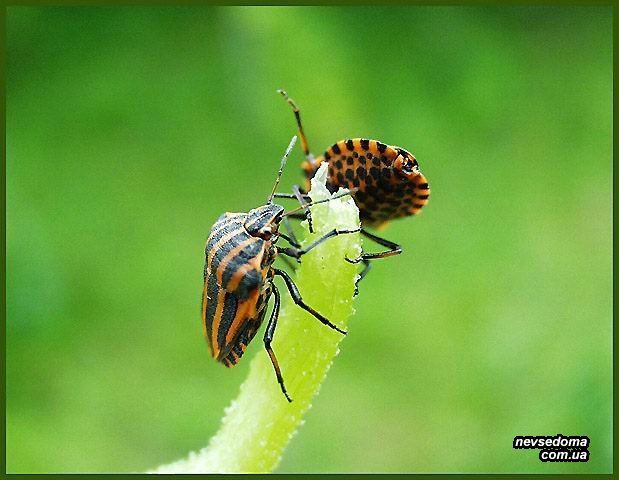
point(334, 197)
point(297, 116)
point(281, 168)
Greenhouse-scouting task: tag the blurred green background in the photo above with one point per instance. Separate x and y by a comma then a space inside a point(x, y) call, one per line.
point(131, 129)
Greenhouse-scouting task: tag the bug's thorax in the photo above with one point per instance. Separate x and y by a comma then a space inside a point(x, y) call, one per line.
point(263, 222)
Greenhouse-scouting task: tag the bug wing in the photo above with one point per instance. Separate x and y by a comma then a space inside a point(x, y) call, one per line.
point(240, 270)
point(230, 322)
point(234, 350)
point(227, 226)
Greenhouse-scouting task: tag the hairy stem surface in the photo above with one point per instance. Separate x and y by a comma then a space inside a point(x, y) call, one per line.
point(260, 422)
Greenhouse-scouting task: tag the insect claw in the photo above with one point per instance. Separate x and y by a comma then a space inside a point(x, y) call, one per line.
point(354, 261)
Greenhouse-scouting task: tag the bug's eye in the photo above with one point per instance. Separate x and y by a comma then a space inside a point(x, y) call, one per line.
point(407, 165)
point(410, 165)
point(266, 232)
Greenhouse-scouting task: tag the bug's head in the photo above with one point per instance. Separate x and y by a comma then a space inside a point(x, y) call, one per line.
point(406, 164)
point(406, 167)
point(264, 221)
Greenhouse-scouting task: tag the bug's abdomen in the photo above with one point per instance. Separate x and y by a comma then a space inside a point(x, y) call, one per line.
point(384, 192)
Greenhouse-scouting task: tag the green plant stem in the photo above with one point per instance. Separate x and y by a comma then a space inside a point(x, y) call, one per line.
point(259, 423)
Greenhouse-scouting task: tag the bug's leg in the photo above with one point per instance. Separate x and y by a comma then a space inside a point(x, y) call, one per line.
point(367, 266)
point(291, 238)
point(268, 338)
point(303, 198)
point(291, 195)
point(296, 296)
point(297, 116)
point(299, 252)
point(287, 261)
point(394, 248)
point(296, 216)
point(300, 197)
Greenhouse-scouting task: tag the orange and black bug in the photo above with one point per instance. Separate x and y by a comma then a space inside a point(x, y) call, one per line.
point(388, 180)
point(238, 279)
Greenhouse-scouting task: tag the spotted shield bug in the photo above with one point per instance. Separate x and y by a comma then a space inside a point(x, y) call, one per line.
point(387, 178)
point(238, 278)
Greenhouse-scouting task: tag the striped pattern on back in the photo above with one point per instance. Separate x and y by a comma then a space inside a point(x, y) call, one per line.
point(248, 330)
point(233, 256)
point(233, 295)
point(384, 192)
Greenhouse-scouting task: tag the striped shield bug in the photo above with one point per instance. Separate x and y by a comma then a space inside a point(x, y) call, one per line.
point(239, 278)
point(388, 180)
